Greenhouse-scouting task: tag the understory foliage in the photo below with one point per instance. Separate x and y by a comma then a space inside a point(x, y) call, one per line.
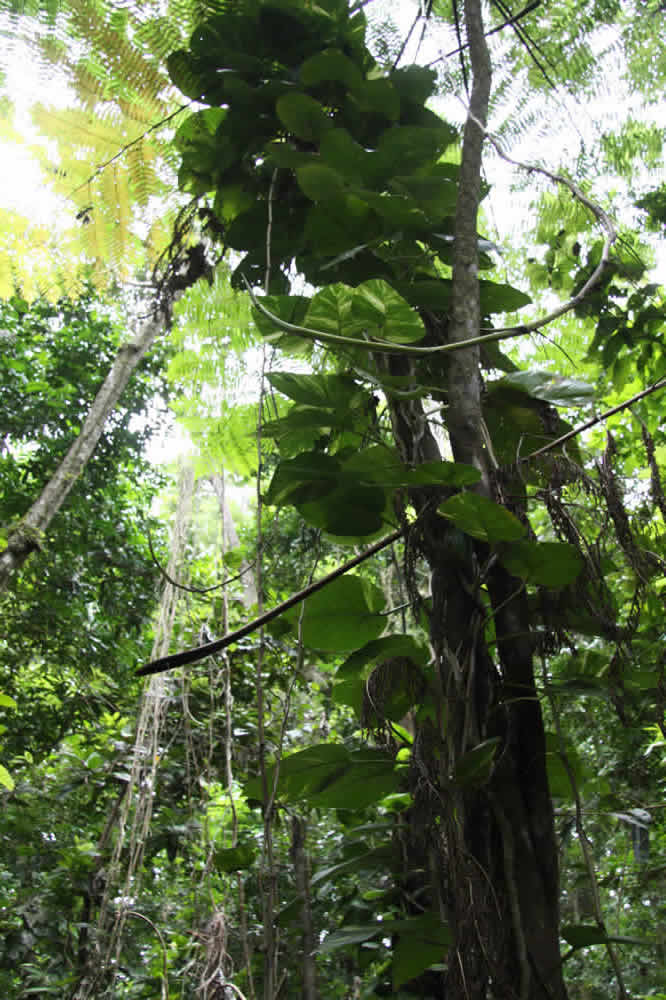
point(442, 773)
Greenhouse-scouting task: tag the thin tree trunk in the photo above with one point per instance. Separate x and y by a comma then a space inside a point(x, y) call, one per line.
point(502, 866)
point(299, 859)
point(28, 535)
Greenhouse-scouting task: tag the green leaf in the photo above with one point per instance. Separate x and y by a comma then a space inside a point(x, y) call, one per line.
point(281, 153)
point(290, 308)
point(383, 466)
point(348, 511)
point(583, 935)
point(378, 858)
point(553, 388)
point(318, 472)
point(331, 65)
point(436, 196)
point(184, 75)
point(234, 859)
point(303, 116)
point(339, 150)
point(329, 776)
point(379, 310)
point(498, 298)
point(6, 778)
point(199, 129)
point(352, 934)
point(342, 616)
point(482, 518)
point(421, 942)
point(474, 767)
point(330, 312)
point(410, 146)
point(351, 677)
point(544, 564)
point(319, 182)
point(415, 83)
point(6, 701)
point(318, 390)
point(379, 96)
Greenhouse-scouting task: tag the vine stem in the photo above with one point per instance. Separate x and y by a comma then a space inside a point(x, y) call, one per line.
point(207, 649)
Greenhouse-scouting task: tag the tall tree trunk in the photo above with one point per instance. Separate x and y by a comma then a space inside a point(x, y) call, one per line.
point(497, 878)
point(27, 537)
point(299, 860)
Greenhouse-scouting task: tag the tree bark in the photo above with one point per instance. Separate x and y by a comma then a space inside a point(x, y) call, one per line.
point(494, 841)
point(302, 878)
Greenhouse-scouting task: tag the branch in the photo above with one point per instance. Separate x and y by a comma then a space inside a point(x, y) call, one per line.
point(207, 649)
point(500, 27)
point(602, 217)
point(464, 384)
point(661, 384)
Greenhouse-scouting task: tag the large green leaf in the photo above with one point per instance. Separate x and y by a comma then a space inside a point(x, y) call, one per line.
point(378, 95)
point(482, 518)
point(6, 779)
point(474, 768)
point(415, 83)
point(378, 858)
point(331, 65)
point(435, 195)
point(339, 150)
point(303, 116)
point(383, 466)
point(234, 859)
point(329, 776)
point(410, 146)
point(583, 935)
point(318, 390)
point(330, 311)
point(420, 942)
point(320, 182)
point(554, 389)
point(349, 511)
point(290, 308)
point(351, 677)
point(350, 935)
point(497, 298)
point(304, 477)
point(344, 615)
point(379, 310)
point(397, 211)
point(544, 564)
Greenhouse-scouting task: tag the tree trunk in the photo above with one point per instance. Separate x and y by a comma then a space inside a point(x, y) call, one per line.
point(302, 878)
point(28, 535)
point(493, 838)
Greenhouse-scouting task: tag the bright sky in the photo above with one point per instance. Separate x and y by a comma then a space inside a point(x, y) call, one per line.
point(23, 190)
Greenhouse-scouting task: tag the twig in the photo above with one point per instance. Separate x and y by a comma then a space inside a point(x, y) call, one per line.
point(602, 218)
point(128, 145)
point(500, 27)
point(594, 420)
